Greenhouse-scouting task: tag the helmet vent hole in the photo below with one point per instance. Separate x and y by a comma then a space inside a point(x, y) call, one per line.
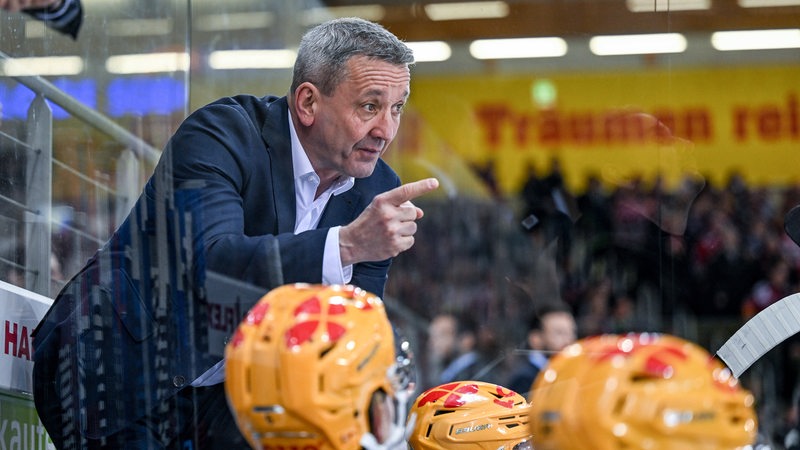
point(439, 412)
point(428, 431)
point(619, 405)
point(641, 378)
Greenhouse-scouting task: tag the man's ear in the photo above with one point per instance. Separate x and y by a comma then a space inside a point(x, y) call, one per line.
point(306, 97)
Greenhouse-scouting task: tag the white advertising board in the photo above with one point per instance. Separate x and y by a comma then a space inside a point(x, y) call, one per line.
point(20, 311)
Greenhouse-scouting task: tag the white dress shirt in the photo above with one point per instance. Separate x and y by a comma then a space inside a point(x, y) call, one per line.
point(309, 210)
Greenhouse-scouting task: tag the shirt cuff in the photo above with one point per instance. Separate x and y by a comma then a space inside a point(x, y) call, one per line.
point(332, 270)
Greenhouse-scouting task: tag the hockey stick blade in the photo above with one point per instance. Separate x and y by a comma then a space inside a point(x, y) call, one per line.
point(791, 224)
point(761, 333)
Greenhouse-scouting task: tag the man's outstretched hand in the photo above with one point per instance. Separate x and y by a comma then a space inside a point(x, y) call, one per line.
point(386, 227)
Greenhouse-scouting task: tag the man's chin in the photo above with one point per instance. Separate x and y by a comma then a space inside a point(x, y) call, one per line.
point(362, 170)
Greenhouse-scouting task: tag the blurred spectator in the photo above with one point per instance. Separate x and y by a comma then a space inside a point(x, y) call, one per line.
point(595, 220)
point(467, 355)
point(479, 354)
point(594, 307)
point(441, 346)
point(623, 315)
point(13, 270)
point(768, 290)
point(728, 277)
point(14, 275)
point(548, 208)
point(550, 328)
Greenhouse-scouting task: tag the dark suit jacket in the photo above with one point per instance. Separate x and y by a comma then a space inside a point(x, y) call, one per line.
point(131, 329)
point(524, 374)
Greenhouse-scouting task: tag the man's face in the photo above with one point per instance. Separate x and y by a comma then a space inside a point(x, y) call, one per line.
point(354, 126)
point(442, 336)
point(558, 331)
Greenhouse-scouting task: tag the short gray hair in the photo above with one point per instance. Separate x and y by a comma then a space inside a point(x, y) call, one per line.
point(326, 48)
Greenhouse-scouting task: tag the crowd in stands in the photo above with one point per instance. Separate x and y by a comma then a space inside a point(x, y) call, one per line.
point(695, 261)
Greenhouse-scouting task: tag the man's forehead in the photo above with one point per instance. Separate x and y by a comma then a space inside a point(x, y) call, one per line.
point(375, 76)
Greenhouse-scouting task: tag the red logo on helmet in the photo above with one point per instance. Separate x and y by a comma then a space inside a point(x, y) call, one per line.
point(253, 317)
point(505, 393)
point(659, 364)
point(452, 393)
point(457, 394)
point(257, 313)
point(313, 318)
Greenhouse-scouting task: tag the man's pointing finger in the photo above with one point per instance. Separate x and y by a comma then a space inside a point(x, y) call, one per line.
point(410, 191)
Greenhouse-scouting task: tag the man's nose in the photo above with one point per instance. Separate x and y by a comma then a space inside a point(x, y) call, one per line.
point(385, 126)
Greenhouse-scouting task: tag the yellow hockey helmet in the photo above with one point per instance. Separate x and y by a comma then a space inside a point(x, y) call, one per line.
point(642, 391)
point(314, 367)
point(469, 415)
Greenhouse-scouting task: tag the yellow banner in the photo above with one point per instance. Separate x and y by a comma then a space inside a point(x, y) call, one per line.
point(709, 123)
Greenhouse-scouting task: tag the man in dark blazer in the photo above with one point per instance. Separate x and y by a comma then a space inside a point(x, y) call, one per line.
point(255, 190)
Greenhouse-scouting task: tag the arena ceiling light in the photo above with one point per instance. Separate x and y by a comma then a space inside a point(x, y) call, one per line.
point(638, 44)
point(767, 3)
point(543, 47)
point(430, 51)
point(252, 59)
point(148, 63)
point(667, 5)
point(466, 10)
point(138, 27)
point(41, 65)
point(756, 39)
point(315, 16)
point(254, 20)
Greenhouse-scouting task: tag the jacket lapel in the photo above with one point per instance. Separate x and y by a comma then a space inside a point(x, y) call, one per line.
point(341, 209)
point(275, 133)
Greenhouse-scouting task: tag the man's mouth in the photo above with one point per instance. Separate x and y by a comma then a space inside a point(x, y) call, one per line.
point(376, 146)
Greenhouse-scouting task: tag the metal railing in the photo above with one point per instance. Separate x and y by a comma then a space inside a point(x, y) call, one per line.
point(30, 212)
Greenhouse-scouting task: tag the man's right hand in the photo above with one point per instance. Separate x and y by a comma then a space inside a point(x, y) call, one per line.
point(386, 227)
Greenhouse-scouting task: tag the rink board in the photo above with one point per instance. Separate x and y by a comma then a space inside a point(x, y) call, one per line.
point(20, 311)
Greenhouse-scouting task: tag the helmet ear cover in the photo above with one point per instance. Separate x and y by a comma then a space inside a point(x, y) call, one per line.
point(311, 366)
point(644, 390)
point(469, 415)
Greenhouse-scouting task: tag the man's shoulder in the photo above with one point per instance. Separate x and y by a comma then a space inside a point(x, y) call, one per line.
point(247, 102)
point(248, 110)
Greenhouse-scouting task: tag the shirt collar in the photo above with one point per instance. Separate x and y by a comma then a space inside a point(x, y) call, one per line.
point(302, 168)
point(537, 358)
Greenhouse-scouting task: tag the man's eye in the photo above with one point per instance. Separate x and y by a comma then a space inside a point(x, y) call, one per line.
point(398, 108)
point(370, 107)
